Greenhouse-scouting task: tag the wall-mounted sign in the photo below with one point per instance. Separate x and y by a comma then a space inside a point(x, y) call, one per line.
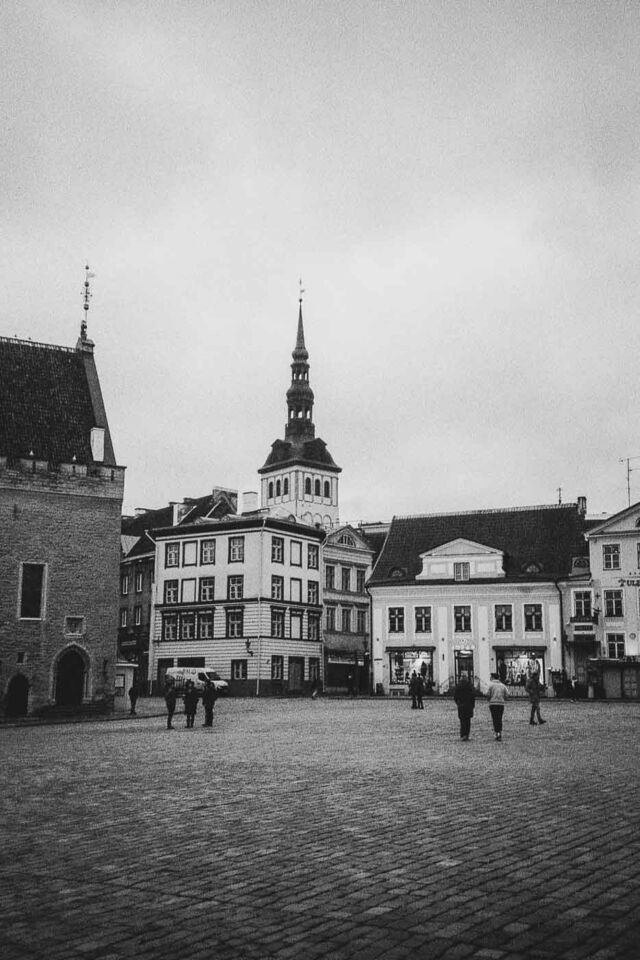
point(629, 581)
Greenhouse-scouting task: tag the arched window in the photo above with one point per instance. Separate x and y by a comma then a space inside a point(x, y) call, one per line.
point(277, 488)
point(285, 486)
point(307, 486)
point(316, 488)
point(270, 494)
point(327, 489)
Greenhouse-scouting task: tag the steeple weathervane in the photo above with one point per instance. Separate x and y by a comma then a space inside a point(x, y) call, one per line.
point(86, 296)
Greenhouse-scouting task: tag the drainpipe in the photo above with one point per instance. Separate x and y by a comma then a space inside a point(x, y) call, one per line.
point(562, 634)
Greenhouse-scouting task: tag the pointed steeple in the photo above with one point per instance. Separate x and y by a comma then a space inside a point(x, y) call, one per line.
point(300, 394)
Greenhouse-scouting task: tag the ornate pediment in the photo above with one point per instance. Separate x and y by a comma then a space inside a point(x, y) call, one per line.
point(461, 560)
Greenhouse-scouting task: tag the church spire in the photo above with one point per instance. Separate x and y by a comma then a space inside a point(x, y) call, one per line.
point(300, 394)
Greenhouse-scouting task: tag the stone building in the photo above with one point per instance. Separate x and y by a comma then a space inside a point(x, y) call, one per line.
point(60, 504)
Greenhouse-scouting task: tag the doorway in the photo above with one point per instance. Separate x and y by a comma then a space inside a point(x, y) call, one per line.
point(464, 665)
point(296, 674)
point(17, 699)
point(70, 679)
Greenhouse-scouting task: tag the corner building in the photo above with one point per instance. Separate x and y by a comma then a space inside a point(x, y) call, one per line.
point(60, 504)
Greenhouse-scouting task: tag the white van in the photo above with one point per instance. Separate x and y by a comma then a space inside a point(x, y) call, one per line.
point(199, 675)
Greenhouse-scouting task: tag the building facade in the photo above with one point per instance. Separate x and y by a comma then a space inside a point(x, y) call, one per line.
point(60, 505)
point(241, 596)
point(472, 594)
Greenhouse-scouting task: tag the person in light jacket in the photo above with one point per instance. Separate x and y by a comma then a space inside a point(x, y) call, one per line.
point(497, 695)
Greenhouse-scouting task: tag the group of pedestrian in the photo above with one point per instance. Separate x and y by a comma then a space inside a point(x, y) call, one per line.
point(191, 698)
point(464, 695)
point(416, 691)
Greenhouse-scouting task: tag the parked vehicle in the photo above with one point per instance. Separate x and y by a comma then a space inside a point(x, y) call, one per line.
point(199, 675)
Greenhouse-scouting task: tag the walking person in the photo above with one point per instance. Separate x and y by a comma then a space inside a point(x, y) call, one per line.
point(190, 702)
point(209, 697)
point(133, 698)
point(419, 691)
point(533, 689)
point(413, 690)
point(497, 695)
point(170, 698)
point(465, 697)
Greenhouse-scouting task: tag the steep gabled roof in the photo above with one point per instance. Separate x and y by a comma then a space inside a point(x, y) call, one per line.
point(538, 542)
point(49, 401)
point(311, 453)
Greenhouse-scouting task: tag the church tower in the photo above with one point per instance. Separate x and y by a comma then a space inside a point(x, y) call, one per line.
point(299, 477)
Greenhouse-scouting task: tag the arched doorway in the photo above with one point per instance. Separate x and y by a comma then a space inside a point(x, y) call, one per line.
point(70, 680)
point(17, 699)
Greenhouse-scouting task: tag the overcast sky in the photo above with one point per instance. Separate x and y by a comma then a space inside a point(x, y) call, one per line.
point(457, 183)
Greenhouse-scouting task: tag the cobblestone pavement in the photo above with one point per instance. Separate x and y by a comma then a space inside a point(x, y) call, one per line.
point(302, 829)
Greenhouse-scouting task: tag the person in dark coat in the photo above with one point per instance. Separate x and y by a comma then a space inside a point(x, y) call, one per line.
point(419, 691)
point(465, 697)
point(209, 697)
point(533, 689)
point(170, 698)
point(133, 698)
point(413, 690)
point(190, 702)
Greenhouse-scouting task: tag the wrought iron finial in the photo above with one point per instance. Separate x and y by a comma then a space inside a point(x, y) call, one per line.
point(86, 296)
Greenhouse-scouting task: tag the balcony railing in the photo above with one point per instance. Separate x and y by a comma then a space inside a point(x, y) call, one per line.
point(585, 618)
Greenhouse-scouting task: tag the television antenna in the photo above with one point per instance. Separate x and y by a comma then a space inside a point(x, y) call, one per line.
point(630, 470)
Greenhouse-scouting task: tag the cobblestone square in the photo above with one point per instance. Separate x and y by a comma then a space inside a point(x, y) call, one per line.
point(329, 828)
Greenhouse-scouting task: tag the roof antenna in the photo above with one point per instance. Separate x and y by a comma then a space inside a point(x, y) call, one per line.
point(86, 296)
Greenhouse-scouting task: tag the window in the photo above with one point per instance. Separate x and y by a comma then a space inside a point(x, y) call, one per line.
point(123, 617)
point(423, 619)
point(277, 622)
point(504, 618)
point(277, 588)
point(615, 645)
point(638, 557)
point(295, 588)
point(169, 626)
point(277, 550)
point(346, 620)
point(461, 571)
point(205, 625)
point(124, 584)
point(32, 591)
point(346, 580)
point(139, 579)
point(207, 551)
point(270, 491)
point(613, 603)
point(285, 487)
point(582, 604)
point(313, 556)
point(296, 626)
point(277, 668)
point(74, 625)
point(396, 619)
point(188, 591)
point(533, 617)
point(331, 618)
point(207, 589)
point(235, 623)
point(360, 578)
point(137, 616)
point(189, 553)
point(313, 592)
point(462, 619)
point(188, 626)
point(307, 487)
point(278, 488)
point(316, 488)
point(235, 587)
point(236, 549)
point(611, 556)
point(238, 669)
point(171, 591)
point(327, 490)
point(172, 555)
point(329, 577)
point(314, 668)
point(361, 621)
point(296, 553)
point(314, 626)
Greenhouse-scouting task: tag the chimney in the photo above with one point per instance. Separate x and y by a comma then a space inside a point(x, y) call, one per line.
point(582, 506)
point(249, 501)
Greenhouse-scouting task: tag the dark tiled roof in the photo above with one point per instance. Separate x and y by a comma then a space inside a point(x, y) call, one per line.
point(314, 453)
point(49, 401)
point(548, 536)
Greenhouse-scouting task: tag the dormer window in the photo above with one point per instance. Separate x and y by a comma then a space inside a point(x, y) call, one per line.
point(461, 571)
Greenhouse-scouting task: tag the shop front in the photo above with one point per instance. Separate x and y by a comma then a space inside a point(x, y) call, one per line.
point(403, 661)
point(614, 679)
point(514, 666)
